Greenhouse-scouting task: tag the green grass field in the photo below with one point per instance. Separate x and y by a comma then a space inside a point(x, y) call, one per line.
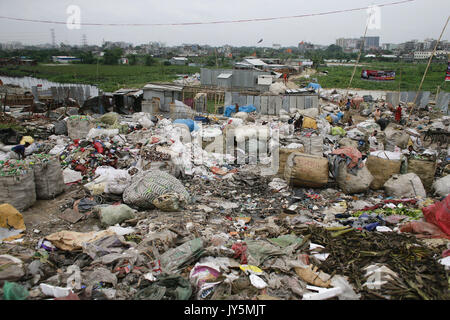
point(408, 77)
point(109, 78)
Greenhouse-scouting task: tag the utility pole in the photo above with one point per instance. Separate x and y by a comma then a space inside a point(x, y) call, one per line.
point(217, 65)
point(84, 40)
point(98, 58)
point(52, 32)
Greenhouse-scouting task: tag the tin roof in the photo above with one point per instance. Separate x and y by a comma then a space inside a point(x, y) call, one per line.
point(162, 87)
point(224, 75)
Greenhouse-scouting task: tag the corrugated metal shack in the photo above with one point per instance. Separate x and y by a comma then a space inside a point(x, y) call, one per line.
point(128, 100)
point(234, 79)
point(160, 96)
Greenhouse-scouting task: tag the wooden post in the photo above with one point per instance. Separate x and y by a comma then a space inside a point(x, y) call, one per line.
point(357, 60)
point(4, 103)
point(215, 102)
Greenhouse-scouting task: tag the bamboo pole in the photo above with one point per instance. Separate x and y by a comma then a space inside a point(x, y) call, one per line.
point(426, 69)
point(357, 60)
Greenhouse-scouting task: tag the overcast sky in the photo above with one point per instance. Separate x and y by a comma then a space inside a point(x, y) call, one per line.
point(413, 20)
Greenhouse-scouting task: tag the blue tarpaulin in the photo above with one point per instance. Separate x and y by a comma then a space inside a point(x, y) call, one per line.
point(314, 85)
point(231, 109)
point(190, 123)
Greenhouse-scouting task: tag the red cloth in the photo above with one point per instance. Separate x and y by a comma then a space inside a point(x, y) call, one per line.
point(439, 214)
point(352, 153)
point(240, 250)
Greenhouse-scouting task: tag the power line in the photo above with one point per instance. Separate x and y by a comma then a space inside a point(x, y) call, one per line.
point(210, 22)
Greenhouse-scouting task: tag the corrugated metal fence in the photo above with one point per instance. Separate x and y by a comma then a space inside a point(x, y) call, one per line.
point(442, 100)
point(272, 104)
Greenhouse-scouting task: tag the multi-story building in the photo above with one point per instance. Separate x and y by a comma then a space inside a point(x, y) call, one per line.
point(305, 46)
point(372, 42)
point(354, 44)
point(389, 46)
point(421, 55)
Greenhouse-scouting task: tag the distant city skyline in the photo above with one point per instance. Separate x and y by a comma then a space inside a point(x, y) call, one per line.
point(397, 22)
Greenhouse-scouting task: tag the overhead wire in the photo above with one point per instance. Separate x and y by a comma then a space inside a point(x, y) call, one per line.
point(209, 22)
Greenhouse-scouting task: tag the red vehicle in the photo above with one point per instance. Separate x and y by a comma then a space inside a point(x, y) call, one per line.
point(377, 75)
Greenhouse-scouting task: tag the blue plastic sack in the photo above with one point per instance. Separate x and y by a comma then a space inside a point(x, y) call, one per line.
point(248, 108)
point(200, 118)
point(314, 85)
point(231, 109)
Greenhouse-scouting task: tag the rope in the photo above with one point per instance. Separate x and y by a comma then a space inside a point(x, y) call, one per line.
point(414, 189)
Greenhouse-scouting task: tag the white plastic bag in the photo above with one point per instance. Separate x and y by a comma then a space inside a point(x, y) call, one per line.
point(71, 175)
point(109, 180)
point(57, 150)
point(94, 132)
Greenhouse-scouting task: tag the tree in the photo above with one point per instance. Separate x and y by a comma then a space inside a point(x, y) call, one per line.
point(112, 55)
point(87, 57)
point(132, 59)
point(150, 61)
point(211, 61)
point(317, 59)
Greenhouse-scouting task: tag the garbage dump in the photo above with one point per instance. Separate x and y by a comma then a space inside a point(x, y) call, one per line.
point(303, 205)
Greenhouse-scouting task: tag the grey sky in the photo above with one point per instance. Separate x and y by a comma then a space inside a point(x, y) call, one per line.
point(415, 20)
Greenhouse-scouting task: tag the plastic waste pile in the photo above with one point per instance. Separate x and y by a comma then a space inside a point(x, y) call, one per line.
point(191, 209)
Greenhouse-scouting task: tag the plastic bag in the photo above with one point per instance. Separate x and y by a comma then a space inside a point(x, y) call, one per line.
point(11, 268)
point(173, 260)
point(442, 186)
point(423, 230)
point(202, 276)
point(171, 287)
point(112, 215)
point(109, 180)
point(71, 176)
point(14, 291)
point(57, 150)
point(338, 131)
point(94, 132)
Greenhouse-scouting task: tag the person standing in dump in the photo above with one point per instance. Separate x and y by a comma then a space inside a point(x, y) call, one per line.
point(377, 114)
point(373, 143)
point(398, 114)
point(19, 151)
point(348, 105)
point(285, 78)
